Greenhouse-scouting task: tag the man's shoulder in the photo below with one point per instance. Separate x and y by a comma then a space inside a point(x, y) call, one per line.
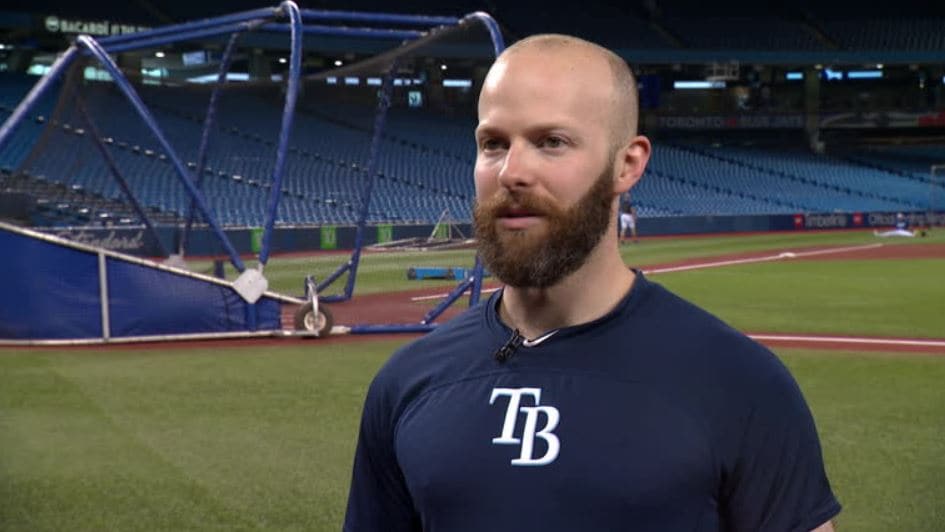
point(451, 337)
point(692, 335)
point(708, 366)
point(447, 350)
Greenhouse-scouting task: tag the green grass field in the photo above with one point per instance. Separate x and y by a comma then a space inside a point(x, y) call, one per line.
point(261, 438)
point(387, 271)
point(880, 297)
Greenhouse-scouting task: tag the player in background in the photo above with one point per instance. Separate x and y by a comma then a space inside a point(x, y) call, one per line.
point(628, 217)
point(901, 229)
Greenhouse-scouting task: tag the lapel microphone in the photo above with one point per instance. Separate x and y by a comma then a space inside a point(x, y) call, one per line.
point(508, 349)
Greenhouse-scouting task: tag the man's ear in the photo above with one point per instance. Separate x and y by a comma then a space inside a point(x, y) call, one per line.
point(631, 162)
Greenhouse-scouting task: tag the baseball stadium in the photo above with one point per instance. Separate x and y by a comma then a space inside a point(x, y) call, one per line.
point(219, 220)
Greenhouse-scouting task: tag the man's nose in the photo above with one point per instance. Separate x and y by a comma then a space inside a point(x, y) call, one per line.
point(517, 170)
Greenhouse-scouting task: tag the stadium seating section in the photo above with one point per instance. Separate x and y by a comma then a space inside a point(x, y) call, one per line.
point(423, 169)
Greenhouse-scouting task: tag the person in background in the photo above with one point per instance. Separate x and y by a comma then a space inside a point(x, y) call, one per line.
point(628, 217)
point(901, 229)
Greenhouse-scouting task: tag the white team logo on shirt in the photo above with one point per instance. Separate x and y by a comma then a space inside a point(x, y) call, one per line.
point(530, 431)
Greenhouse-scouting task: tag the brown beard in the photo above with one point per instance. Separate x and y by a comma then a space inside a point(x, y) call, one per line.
point(539, 259)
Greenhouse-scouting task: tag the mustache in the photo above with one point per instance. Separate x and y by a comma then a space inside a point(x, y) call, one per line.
point(505, 204)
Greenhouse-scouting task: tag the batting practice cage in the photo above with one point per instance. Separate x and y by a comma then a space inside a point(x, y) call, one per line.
point(254, 148)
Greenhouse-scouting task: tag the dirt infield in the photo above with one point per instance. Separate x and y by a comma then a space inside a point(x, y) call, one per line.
point(873, 251)
point(388, 308)
point(851, 343)
point(888, 251)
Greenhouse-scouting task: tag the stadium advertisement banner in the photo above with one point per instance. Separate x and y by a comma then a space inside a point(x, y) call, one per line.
point(385, 233)
point(441, 231)
point(255, 239)
point(858, 219)
point(883, 119)
point(329, 237)
point(57, 24)
point(126, 240)
point(792, 121)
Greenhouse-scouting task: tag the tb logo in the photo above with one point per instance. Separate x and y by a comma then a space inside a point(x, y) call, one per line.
point(530, 430)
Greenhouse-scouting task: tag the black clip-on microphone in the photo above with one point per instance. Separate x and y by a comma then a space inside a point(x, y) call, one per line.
point(508, 349)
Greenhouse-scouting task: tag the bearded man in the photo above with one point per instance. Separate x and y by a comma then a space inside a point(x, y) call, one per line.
point(581, 396)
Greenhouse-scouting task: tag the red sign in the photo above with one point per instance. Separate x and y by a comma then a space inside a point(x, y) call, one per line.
point(857, 218)
point(798, 221)
point(929, 120)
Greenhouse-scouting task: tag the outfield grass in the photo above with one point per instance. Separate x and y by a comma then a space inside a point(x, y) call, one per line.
point(881, 420)
point(667, 250)
point(262, 438)
point(862, 297)
point(377, 272)
point(203, 439)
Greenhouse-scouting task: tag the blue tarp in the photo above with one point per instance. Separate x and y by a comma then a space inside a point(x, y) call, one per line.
point(51, 290)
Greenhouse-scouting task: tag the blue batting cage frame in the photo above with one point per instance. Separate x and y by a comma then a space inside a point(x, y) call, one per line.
point(300, 22)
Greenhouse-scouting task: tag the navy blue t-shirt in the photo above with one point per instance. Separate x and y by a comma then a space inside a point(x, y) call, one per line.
point(655, 417)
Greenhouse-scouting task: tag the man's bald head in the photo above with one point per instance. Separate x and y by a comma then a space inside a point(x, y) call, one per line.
point(623, 90)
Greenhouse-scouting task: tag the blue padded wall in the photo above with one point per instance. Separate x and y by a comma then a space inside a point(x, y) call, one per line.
point(51, 291)
point(48, 291)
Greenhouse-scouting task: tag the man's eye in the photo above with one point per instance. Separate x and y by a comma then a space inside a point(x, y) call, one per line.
point(490, 144)
point(552, 142)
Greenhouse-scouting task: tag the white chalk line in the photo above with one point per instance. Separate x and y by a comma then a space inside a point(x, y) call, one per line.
point(848, 340)
point(441, 296)
point(785, 255)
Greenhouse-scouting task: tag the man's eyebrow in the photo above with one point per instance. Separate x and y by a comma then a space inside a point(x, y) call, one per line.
point(540, 128)
point(549, 127)
point(484, 130)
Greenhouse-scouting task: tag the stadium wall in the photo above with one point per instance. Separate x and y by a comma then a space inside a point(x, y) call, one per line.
point(135, 241)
